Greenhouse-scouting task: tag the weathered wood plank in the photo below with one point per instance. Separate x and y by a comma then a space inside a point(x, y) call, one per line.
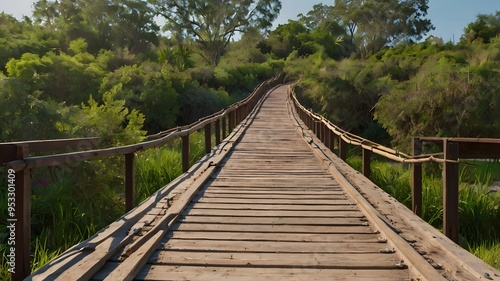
point(318, 197)
point(274, 221)
point(274, 236)
point(259, 213)
point(273, 228)
point(275, 207)
point(272, 247)
point(242, 200)
point(288, 259)
point(271, 191)
point(158, 272)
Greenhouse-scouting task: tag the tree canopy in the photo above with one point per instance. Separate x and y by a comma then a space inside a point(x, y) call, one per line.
point(484, 28)
point(374, 24)
point(212, 24)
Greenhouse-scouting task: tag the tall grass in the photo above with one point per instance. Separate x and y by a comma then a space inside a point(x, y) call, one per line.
point(479, 209)
point(70, 204)
point(159, 166)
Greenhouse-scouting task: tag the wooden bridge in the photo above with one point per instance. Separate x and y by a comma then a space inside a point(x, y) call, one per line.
point(270, 202)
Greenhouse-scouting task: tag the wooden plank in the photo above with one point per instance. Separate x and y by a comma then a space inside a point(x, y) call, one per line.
point(242, 200)
point(274, 236)
point(272, 247)
point(282, 259)
point(276, 183)
point(158, 272)
point(305, 228)
point(275, 207)
point(317, 197)
point(271, 191)
point(299, 221)
point(258, 213)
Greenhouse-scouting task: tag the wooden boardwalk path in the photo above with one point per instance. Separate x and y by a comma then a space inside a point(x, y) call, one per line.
point(271, 209)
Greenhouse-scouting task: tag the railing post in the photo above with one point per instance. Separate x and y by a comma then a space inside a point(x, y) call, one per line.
point(331, 140)
point(129, 181)
point(342, 148)
point(224, 126)
point(328, 137)
point(217, 132)
point(450, 190)
point(185, 153)
point(22, 220)
point(231, 121)
point(208, 138)
point(322, 131)
point(366, 162)
point(416, 179)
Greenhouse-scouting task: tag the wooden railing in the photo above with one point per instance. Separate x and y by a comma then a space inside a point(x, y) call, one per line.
point(453, 150)
point(18, 163)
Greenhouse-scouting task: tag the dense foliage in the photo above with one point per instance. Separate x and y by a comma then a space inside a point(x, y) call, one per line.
point(62, 61)
point(409, 89)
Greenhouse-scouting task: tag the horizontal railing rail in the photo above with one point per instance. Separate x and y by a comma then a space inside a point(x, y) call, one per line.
point(453, 150)
point(15, 156)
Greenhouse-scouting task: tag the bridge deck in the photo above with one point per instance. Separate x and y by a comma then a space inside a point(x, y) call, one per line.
point(271, 210)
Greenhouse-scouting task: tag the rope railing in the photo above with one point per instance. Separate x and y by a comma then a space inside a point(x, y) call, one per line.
point(352, 139)
point(453, 148)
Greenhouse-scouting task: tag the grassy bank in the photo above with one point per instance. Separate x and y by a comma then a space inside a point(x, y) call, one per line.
point(70, 204)
point(479, 208)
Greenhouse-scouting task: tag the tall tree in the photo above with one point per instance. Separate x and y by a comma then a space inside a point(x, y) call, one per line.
point(212, 24)
point(374, 24)
point(319, 14)
point(104, 24)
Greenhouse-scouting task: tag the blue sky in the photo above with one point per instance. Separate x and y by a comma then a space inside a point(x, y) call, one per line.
point(449, 16)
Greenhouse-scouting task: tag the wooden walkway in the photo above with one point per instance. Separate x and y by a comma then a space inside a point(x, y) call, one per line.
point(271, 209)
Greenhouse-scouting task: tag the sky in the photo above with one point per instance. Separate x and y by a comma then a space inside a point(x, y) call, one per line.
point(450, 17)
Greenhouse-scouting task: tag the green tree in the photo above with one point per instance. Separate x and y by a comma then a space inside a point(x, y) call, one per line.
point(447, 97)
point(19, 37)
point(374, 24)
point(284, 39)
point(485, 28)
point(110, 120)
point(136, 28)
point(147, 88)
point(212, 24)
point(104, 24)
point(62, 77)
point(24, 116)
point(318, 15)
